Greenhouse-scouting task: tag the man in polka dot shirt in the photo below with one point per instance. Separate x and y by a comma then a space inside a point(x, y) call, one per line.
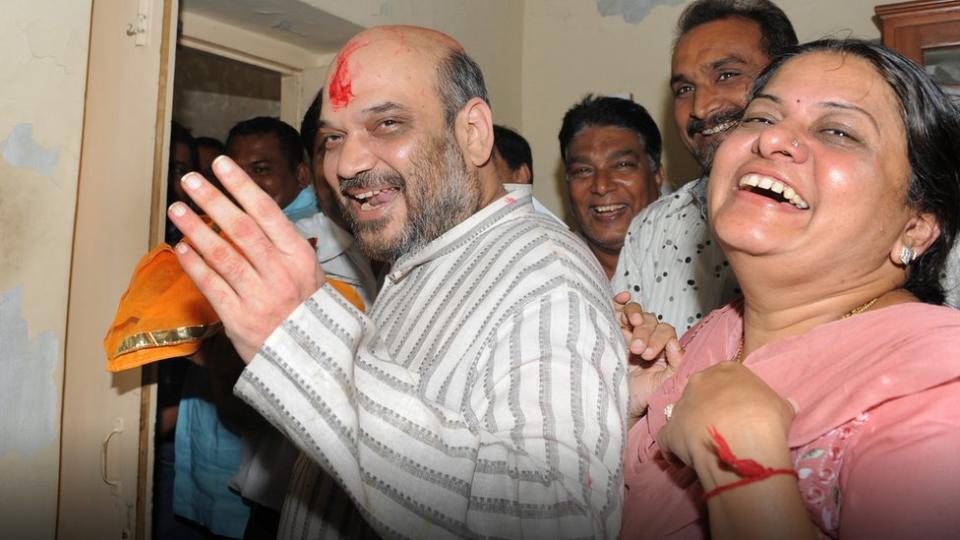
point(669, 263)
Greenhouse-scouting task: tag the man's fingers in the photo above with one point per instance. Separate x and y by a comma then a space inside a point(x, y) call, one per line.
point(212, 286)
point(263, 210)
point(662, 334)
point(674, 353)
point(217, 255)
point(642, 332)
point(621, 299)
point(239, 227)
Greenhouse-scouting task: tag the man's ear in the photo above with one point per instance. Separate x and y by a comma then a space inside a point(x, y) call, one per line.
point(474, 131)
point(658, 177)
point(304, 178)
point(918, 234)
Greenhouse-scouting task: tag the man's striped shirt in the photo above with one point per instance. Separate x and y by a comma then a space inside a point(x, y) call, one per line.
point(484, 394)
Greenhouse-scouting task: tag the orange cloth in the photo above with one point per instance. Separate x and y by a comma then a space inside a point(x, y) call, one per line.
point(163, 315)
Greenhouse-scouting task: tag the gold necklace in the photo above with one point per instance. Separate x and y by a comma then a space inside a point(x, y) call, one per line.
point(855, 311)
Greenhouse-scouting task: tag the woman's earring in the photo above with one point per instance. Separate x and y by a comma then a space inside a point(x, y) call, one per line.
point(907, 256)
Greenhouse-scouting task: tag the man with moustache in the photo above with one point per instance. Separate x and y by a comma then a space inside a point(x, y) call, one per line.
point(669, 263)
point(610, 149)
point(484, 394)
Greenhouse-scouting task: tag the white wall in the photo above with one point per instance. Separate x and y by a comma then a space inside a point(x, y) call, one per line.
point(570, 49)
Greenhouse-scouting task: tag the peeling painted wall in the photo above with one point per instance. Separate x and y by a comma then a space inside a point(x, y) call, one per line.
point(42, 73)
point(30, 397)
point(632, 11)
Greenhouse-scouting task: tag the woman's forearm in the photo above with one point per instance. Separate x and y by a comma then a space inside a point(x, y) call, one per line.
point(769, 507)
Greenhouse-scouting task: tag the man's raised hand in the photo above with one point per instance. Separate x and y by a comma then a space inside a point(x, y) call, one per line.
point(262, 274)
point(653, 350)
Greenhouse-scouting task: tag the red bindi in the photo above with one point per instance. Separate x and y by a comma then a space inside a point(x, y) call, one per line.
point(341, 86)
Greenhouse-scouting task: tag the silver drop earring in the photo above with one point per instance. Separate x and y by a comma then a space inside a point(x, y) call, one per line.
point(907, 255)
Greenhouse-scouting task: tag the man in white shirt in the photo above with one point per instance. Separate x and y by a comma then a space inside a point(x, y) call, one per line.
point(485, 393)
point(669, 263)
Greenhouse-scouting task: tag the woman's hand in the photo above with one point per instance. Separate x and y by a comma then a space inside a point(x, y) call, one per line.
point(654, 353)
point(742, 407)
point(754, 421)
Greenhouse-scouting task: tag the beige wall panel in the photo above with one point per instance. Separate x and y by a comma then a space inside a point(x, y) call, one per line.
point(42, 76)
point(570, 49)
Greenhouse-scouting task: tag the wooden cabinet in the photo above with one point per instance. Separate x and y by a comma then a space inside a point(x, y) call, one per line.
point(928, 31)
point(913, 28)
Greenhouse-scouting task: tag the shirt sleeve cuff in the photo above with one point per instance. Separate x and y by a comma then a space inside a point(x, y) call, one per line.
point(311, 351)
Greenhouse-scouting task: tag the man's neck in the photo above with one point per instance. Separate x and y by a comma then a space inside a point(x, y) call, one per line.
point(491, 188)
point(608, 258)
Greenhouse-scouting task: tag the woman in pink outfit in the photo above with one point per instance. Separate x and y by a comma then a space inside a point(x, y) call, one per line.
point(826, 402)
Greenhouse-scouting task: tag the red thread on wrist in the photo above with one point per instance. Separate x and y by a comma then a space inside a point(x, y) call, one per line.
point(750, 470)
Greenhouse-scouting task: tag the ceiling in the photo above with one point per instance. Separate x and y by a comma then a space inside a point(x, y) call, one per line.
point(290, 21)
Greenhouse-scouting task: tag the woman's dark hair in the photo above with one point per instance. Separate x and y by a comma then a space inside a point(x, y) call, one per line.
point(932, 125)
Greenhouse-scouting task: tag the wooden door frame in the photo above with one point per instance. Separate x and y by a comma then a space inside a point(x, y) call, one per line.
point(105, 488)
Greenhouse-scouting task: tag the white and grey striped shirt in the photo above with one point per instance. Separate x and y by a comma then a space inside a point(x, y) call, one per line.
point(483, 396)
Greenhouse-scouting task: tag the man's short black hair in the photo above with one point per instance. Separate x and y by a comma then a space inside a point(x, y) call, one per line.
point(180, 134)
point(513, 148)
point(616, 112)
point(310, 124)
point(287, 136)
point(776, 32)
point(210, 142)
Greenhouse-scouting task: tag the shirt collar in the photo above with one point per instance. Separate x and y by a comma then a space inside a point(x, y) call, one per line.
point(302, 206)
point(332, 240)
point(465, 231)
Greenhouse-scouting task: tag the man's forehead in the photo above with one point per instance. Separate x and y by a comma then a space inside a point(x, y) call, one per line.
point(255, 140)
point(731, 40)
point(392, 55)
point(609, 139)
point(382, 89)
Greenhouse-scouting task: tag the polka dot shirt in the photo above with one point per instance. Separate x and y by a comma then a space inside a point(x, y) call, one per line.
point(950, 278)
point(670, 264)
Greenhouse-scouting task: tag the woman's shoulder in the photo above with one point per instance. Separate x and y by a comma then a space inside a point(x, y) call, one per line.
point(916, 323)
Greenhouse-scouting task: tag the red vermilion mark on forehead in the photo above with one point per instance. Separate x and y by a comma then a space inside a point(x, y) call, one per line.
point(341, 85)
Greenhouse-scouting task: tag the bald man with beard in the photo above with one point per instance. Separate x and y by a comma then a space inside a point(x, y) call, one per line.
point(483, 394)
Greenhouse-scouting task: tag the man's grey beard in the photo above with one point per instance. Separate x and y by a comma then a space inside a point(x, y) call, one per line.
point(442, 193)
point(704, 155)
